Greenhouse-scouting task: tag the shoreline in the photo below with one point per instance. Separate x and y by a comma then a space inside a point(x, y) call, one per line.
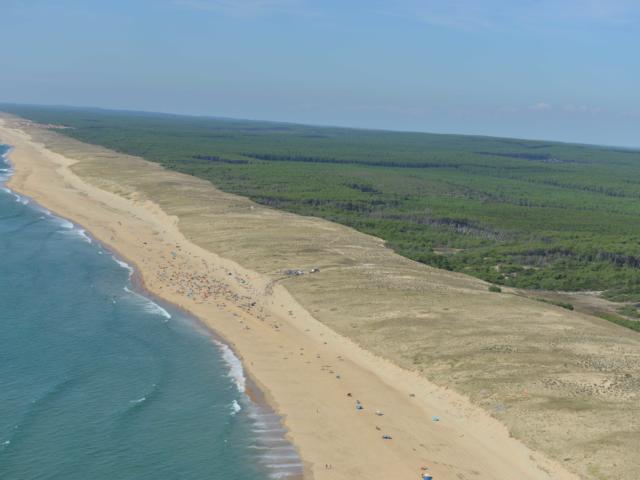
point(254, 393)
point(251, 390)
point(372, 375)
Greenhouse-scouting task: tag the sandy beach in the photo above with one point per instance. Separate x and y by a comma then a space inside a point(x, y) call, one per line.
point(293, 336)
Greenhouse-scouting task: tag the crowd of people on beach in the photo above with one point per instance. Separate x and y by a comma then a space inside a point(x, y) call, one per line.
point(205, 286)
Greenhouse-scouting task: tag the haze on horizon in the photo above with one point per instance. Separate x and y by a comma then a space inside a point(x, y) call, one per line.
point(559, 70)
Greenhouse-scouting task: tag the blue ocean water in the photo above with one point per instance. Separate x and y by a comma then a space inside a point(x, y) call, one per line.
point(97, 381)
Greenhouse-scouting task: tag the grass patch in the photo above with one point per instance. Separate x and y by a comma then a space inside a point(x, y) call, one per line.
point(625, 322)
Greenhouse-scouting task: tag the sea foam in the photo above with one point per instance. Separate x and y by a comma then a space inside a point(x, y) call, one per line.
point(63, 223)
point(83, 234)
point(235, 407)
point(124, 265)
point(67, 227)
point(236, 371)
point(16, 197)
point(7, 172)
point(149, 305)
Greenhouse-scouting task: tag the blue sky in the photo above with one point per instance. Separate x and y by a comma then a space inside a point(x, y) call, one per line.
point(552, 69)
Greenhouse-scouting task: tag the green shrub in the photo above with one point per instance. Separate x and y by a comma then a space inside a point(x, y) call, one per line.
point(557, 303)
point(629, 311)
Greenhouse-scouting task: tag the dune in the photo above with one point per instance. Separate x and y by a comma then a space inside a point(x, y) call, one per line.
point(467, 383)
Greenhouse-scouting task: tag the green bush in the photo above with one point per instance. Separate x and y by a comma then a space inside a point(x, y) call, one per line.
point(629, 311)
point(557, 303)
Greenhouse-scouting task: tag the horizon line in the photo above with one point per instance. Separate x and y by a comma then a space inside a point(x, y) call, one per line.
point(316, 125)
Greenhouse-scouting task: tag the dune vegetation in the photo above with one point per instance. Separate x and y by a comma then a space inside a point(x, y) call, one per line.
point(519, 213)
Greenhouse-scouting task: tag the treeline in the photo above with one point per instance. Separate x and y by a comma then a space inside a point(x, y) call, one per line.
point(216, 158)
point(344, 161)
point(545, 157)
point(541, 257)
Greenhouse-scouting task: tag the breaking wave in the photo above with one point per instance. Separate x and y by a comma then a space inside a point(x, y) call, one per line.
point(236, 371)
point(124, 265)
point(235, 407)
point(149, 305)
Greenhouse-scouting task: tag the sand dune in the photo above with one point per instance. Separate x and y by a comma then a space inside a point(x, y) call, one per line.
point(551, 391)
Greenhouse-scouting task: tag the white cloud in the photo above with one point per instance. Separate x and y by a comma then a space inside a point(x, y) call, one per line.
point(540, 106)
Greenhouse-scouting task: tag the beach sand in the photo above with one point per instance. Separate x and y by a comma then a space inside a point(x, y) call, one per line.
point(369, 326)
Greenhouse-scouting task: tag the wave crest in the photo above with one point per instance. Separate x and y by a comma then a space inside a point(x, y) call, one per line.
point(149, 305)
point(235, 407)
point(236, 371)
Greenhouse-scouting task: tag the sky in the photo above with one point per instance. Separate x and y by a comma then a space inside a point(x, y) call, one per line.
point(545, 69)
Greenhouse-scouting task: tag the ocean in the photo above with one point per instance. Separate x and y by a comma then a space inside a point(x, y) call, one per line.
point(100, 381)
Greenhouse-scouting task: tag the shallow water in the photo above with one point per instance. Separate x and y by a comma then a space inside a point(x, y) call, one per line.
point(97, 381)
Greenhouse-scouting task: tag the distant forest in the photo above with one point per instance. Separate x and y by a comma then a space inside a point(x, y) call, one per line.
point(529, 214)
